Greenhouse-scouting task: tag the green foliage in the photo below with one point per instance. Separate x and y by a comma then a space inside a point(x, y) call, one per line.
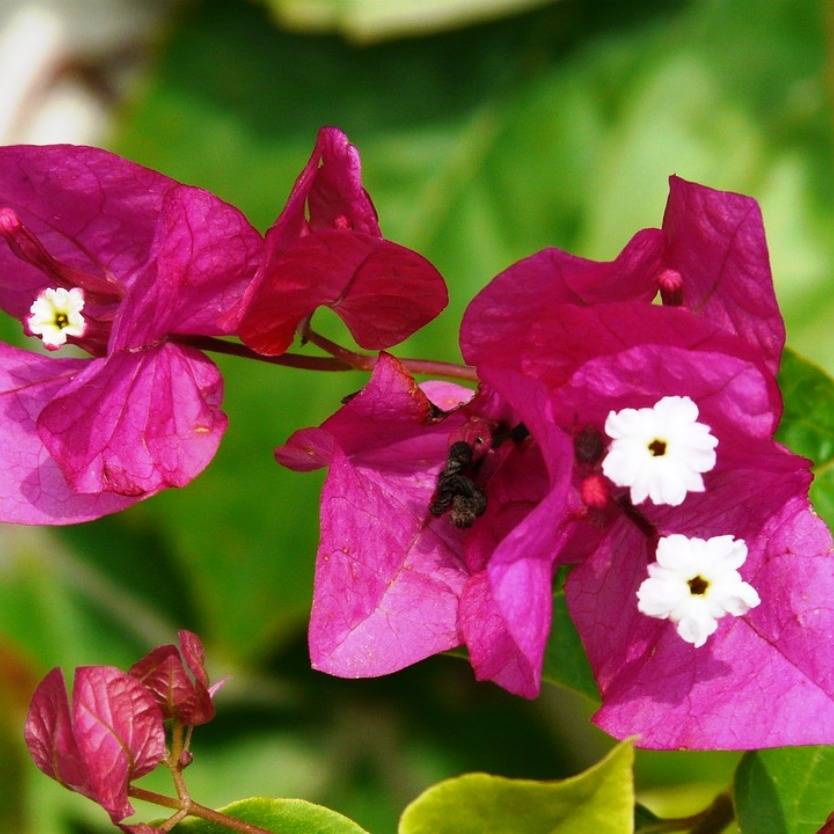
point(283, 816)
point(598, 801)
point(785, 791)
point(808, 425)
point(372, 20)
point(565, 662)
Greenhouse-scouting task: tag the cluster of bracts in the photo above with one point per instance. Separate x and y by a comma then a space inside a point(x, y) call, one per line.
point(621, 434)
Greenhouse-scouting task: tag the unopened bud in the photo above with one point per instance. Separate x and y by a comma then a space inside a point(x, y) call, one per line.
point(670, 282)
point(594, 491)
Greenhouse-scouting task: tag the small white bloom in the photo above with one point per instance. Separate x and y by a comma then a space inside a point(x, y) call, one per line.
point(56, 314)
point(659, 452)
point(695, 582)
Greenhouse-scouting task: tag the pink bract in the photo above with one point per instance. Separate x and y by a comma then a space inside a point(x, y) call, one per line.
point(326, 249)
point(180, 695)
point(394, 583)
point(156, 260)
point(710, 257)
point(112, 734)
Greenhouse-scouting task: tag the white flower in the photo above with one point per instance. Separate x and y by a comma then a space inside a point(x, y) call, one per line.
point(695, 582)
point(659, 452)
point(56, 314)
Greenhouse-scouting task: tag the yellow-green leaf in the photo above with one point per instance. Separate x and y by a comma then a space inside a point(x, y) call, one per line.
point(598, 801)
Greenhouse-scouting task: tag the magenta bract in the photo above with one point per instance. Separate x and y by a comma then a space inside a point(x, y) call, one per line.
point(326, 249)
point(155, 260)
point(180, 695)
point(395, 583)
point(710, 258)
point(112, 734)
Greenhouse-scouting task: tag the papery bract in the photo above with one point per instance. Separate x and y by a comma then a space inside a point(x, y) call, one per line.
point(112, 734)
point(326, 249)
point(710, 257)
point(180, 695)
point(394, 583)
point(653, 683)
point(156, 260)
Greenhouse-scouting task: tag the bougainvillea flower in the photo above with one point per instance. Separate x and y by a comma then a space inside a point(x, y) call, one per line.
point(399, 576)
point(153, 262)
point(326, 249)
point(767, 652)
point(710, 257)
point(113, 733)
point(183, 696)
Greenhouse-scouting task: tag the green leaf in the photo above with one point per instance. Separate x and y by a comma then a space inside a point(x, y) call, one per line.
point(372, 20)
point(807, 425)
point(785, 791)
point(598, 801)
point(643, 818)
point(283, 816)
point(565, 662)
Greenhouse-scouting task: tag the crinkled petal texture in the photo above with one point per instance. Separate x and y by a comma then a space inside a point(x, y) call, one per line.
point(33, 489)
point(395, 584)
point(84, 437)
point(715, 240)
point(90, 209)
point(761, 680)
point(326, 249)
point(507, 603)
point(135, 423)
point(521, 295)
point(179, 696)
point(551, 344)
point(113, 734)
point(388, 574)
point(712, 242)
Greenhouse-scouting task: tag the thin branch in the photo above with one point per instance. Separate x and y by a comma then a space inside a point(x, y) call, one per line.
point(197, 810)
point(365, 362)
point(289, 360)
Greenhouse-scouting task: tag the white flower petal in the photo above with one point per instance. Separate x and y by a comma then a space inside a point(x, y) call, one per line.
point(694, 583)
point(659, 452)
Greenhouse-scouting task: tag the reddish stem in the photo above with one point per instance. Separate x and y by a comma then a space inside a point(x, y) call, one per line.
point(290, 360)
point(364, 362)
point(196, 810)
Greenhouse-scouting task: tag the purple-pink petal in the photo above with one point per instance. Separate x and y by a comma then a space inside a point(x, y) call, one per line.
point(715, 241)
point(33, 489)
point(387, 579)
point(92, 211)
point(383, 292)
point(49, 735)
point(119, 731)
point(112, 734)
point(136, 422)
point(202, 260)
point(326, 249)
point(535, 285)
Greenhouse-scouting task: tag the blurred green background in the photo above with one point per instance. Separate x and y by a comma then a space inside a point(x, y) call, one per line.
point(488, 130)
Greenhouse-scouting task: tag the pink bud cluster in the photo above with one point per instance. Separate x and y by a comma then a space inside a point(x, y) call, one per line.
point(113, 730)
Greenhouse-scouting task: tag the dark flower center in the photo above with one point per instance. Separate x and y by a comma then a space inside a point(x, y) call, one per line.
point(657, 447)
point(61, 320)
point(588, 445)
point(698, 585)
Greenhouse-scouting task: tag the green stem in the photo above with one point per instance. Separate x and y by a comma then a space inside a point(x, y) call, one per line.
point(196, 810)
point(712, 820)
